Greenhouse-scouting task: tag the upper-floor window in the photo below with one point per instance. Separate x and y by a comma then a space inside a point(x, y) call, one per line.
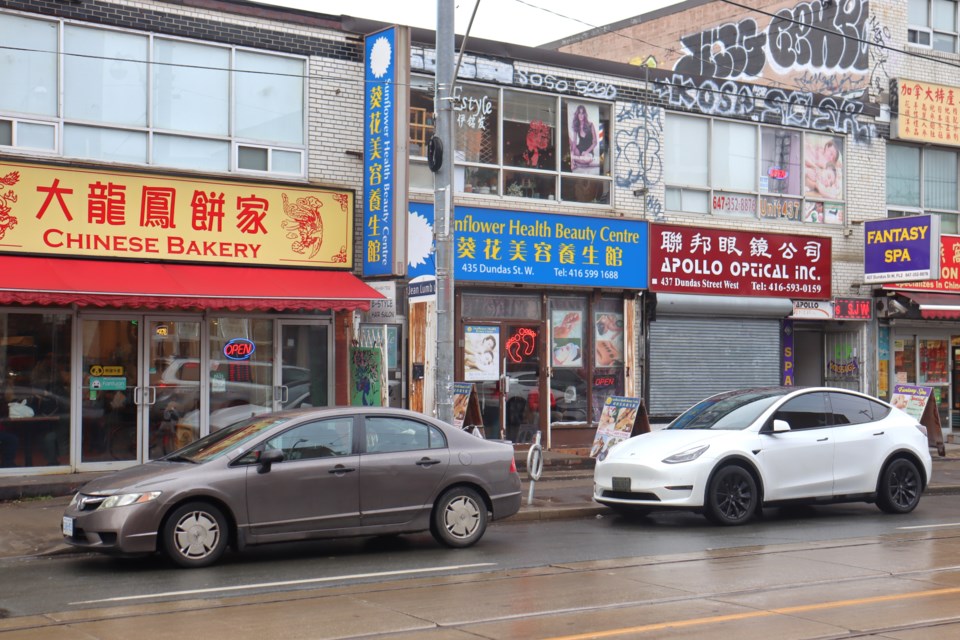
point(137, 98)
point(737, 169)
point(518, 144)
point(924, 180)
point(933, 23)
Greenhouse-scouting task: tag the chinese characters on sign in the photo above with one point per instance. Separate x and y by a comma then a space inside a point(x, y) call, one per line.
point(538, 248)
point(928, 112)
point(378, 152)
point(740, 263)
point(949, 280)
point(68, 211)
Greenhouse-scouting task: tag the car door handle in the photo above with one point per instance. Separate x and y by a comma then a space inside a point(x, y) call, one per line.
point(427, 462)
point(823, 439)
point(339, 469)
point(878, 433)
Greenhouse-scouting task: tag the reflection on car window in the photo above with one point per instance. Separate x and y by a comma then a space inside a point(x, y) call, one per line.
point(220, 442)
point(850, 409)
point(729, 411)
point(391, 433)
point(808, 411)
point(320, 439)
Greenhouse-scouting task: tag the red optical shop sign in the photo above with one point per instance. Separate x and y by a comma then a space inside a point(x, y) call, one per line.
point(738, 263)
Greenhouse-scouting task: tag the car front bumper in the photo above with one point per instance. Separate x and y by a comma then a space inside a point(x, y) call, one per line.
point(679, 486)
point(122, 530)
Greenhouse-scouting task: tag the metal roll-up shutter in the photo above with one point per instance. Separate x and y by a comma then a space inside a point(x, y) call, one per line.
point(695, 357)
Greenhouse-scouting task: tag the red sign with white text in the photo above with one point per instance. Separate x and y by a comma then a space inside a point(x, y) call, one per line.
point(738, 263)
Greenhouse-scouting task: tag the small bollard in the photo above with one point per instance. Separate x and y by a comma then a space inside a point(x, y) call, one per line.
point(534, 465)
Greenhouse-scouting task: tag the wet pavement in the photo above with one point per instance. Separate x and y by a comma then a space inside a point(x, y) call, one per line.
point(31, 506)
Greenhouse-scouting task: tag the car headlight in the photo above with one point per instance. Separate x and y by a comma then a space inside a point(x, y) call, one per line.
point(75, 501)
point(686, 456)
point(126, 499)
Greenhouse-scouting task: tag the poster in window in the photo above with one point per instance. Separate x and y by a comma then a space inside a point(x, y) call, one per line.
point(481, 353)
point(585, 138)
point(366, 366)
point(823, 166)
point(567, 349)
point(608, 339)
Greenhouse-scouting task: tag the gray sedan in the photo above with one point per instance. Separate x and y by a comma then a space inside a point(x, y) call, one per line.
point(297, 475)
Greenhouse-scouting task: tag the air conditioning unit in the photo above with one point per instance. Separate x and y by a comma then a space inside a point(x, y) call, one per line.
point(890, 307)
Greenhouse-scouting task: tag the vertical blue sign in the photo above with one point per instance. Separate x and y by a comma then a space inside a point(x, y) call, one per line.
point(378, 157)
point(421, 252)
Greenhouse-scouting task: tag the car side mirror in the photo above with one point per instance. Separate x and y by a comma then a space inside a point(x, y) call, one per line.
point(267, 458)
point(781, 426)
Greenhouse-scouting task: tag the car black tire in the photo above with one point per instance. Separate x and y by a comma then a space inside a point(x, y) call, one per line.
point(459, 518)
point(899, 488)
point(195, 535)
point(732, 496)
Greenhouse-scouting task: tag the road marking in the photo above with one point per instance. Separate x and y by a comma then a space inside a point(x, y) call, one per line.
point(735, 617)
point(930, 526)
point(288, 583)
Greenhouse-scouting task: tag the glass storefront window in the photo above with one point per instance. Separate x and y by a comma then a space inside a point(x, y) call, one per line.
point(475, 122)
point(780, 161)
point(904, 360)
point(35, 410)
point(241, 365)
point(933, 362)
point(529, 130)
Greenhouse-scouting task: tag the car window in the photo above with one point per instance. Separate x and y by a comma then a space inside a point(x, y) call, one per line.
point(849, 409)
point(392, 433)
point(319, 439)
point(807, 411)
point(727, 411)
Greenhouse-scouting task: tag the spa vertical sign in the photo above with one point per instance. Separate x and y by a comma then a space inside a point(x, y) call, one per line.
point(384, 141)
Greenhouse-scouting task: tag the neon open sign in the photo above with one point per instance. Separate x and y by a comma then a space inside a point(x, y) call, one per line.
point(239, 349)
point(777, 173)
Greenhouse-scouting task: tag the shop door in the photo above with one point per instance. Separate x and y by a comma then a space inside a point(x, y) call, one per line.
point(304, 353)
point(140, 388)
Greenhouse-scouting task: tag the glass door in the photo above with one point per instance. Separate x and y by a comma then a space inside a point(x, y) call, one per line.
point(110, 358)
point(303, 379)
point(171, 402)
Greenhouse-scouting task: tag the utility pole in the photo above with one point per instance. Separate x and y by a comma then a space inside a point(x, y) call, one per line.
point(443, 207)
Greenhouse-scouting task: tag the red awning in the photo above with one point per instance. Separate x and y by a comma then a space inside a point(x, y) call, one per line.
point(103, 283)
point(936, 306)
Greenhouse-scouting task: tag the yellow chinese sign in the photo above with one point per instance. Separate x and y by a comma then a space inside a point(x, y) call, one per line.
point(47, 209)
point(928, 112)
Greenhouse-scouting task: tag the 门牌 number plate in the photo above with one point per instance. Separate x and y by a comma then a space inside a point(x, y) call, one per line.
point(621, 484)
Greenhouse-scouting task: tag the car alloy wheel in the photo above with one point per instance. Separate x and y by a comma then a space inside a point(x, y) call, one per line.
point(732, 496)
point(195, 535)
point(899, 487)
point(459, 517)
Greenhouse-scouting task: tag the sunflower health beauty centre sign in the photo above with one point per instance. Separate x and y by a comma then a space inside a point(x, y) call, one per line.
point(901, 249)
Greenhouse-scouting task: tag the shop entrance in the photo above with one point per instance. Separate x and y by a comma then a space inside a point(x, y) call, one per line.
point(151, 384)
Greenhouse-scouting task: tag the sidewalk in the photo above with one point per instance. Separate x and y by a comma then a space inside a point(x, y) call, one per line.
point(31, 506)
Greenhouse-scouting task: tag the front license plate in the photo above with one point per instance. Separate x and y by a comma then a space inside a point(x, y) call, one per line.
point(68, 526)
point(621, 484)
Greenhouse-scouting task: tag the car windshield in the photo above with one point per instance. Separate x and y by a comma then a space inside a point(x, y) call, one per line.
point(220, 442)
point(729, 411)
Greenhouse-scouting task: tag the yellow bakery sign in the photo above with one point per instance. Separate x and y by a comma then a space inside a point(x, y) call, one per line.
point(48, 209)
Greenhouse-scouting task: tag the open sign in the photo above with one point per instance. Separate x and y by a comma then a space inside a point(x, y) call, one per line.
point(239, 349)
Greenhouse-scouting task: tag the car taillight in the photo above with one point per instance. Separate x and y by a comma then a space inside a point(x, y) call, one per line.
point(922, 429)
point(513, 465)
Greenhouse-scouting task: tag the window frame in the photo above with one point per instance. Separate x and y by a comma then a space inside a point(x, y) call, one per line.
point(59, 121)
point(493, 176)
point(949, 218)
point(915, 30)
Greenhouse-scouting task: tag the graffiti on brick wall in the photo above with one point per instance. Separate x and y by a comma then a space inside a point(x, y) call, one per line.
point(637, 152)
point(766, 104)
point(548, 82)
point(822, 44)
point(879, 55)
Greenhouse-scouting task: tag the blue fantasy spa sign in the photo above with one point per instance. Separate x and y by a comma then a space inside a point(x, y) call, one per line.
point(549, 249)
point(901, 249)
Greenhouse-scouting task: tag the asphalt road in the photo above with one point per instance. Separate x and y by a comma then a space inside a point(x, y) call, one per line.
point(74, 582)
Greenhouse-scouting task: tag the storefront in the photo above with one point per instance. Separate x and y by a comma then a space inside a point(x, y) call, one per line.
point(115, 354)
point(546, 318)
point(722, 302)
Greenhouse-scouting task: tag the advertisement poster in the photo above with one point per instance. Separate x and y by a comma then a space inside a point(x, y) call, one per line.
point(608, 339)
point(365, 372)
point(461, 399)
point(911, 399)
point(616, 423)
point(823, 166)
point(481, 353)
point(567, 349)
point(585, 141)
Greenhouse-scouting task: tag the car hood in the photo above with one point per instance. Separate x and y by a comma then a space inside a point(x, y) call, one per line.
point(663, 443)
point(153, 475)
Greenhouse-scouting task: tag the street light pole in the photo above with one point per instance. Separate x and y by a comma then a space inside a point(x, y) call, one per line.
point(443, 208)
